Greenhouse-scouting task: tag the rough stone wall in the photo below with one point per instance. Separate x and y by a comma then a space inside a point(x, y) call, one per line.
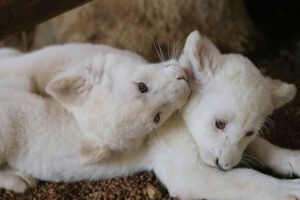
point(136, 24)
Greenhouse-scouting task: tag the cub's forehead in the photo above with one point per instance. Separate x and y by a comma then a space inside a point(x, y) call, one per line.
point(238, 98)
point(240, 74)
point(238, 66)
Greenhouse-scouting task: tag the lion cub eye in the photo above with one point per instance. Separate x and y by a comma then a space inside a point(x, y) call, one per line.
point(220, 124)
point(250, 133)
point(157, 118)
point(142, 87)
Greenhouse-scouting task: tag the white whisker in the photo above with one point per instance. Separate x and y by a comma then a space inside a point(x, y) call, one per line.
point(161, 52)
point(176, 51)
point(158, 52)
point(169, 53)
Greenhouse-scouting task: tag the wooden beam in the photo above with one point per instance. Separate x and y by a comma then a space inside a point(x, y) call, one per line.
point(18, 15)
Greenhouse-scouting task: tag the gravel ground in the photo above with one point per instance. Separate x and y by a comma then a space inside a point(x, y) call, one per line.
point(283, 63)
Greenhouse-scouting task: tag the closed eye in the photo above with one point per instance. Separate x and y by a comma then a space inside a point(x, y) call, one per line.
point(250, 133)
point(157, 118)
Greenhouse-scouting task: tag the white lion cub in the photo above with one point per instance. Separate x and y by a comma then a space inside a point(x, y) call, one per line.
point(116, 98)
point(189, 154)
point(117, 101)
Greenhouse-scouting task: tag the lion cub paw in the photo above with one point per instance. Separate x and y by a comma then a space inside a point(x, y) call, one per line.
point(16, 181)
point(93, 153)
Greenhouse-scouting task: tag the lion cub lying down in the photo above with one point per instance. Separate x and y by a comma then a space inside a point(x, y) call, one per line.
point(114, 100)
point(115, 95)
point(193, 155)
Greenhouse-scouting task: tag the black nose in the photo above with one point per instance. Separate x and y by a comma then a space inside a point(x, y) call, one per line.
point(218, 165)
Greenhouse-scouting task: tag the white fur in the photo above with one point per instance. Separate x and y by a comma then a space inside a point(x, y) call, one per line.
point(282, 161)
point(9, 52)
point(43, 64)
point(171, 153)
point(175, 152)
point(230, 88)
point(99, 86)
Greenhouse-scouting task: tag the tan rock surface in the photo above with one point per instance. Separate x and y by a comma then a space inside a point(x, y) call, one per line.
point(136, 24)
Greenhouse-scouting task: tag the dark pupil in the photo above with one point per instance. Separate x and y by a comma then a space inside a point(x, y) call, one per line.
point(249, 133)
point(220, 124)
point(142, 87)
point(157, 118)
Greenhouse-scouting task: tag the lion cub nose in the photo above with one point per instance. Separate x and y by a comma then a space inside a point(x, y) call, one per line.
point(224, 168)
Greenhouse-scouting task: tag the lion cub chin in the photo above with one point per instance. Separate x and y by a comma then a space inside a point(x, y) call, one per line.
point(115, 100)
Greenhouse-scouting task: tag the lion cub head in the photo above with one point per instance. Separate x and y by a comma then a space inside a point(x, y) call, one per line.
point(117, 100)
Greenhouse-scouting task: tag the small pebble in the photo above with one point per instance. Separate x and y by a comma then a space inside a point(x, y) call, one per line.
point(153, 192)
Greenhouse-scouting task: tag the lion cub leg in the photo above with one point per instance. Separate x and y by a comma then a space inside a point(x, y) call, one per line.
point(10, 179)
point(16, 181)
point(93, 153)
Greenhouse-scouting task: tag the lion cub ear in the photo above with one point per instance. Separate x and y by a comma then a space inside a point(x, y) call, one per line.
point(282, 92)
point(73, 85)
point(201, 54)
